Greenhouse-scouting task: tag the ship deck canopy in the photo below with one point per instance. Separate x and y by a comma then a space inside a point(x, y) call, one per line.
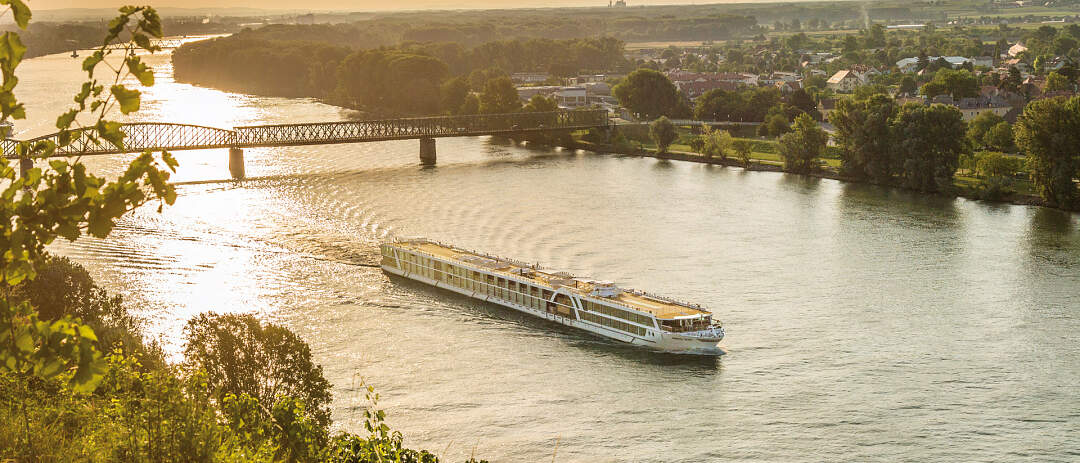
point(662, 308)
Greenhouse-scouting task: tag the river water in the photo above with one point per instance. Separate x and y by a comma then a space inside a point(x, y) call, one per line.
point(863, 323)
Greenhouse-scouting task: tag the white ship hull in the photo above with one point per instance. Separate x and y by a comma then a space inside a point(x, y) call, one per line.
point(690, 343)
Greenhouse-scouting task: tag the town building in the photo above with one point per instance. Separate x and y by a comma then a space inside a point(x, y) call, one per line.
point(572, 97)
point(529, 77)
point(844, 81)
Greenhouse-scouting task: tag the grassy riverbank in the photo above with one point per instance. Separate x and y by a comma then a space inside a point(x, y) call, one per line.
point(966, 186)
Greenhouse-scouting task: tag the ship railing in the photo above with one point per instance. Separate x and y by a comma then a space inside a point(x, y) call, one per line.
point(470, 251)
point(434, 256)
point(665, 299)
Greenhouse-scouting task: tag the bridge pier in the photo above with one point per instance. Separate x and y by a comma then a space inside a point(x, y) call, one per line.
point(427, 151)
point(25, 164)
point(236, 162)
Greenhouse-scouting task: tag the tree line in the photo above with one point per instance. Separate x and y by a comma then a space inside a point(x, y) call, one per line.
point(412, 79)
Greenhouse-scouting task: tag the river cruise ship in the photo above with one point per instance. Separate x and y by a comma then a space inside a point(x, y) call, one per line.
point(599, 307)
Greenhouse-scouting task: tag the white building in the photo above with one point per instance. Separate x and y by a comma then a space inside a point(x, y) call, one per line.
point(844, 81)
point(572, 97)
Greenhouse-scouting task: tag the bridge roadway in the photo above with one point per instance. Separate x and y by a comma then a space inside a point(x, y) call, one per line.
point(157, 136)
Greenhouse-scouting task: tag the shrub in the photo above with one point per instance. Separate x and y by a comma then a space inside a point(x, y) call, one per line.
point(663, 133)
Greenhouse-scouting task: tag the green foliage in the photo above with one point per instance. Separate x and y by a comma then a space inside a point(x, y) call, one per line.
point(648, 94)
point(775, 125)
point(66, 201)
point(802, 100)
point(480, 77)
point(864, 134)
point(454, 93)
point(153, 415)
point(1057, 82)
point(908, 86)
point(48, 349)
point(929, 140)
point(957, 83)
point(242, 356)
point(391, 83)
point(540, 104)
point(662, 132)
point(716, 143)
point(864, 92)
point(406, 80)
point(746, 104)
point(499, 97)
point(64, 288)
point(991, 164)
point(471, 105)
point(743, 149)
point(802, 148)
point(1000, 137)
point(981, 125)
point(1048, 132)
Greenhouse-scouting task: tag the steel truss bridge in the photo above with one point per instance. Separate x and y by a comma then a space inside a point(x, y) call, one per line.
point(160, 43)
point(157, 136)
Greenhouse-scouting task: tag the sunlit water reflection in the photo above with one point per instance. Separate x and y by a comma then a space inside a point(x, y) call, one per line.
point(863, 323)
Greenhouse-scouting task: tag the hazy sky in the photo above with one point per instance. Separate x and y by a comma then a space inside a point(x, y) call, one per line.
point(345, 4)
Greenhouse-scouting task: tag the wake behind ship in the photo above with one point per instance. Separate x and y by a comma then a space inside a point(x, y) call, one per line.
point(598, 307)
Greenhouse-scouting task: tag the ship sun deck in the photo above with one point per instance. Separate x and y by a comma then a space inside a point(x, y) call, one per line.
point(660, 308)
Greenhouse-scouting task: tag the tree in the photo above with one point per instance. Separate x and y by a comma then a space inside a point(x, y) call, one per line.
point(1000, 137)
point(264, 361)
point(1048, 132)
point(540, 104)
point(994, 165)
point(980, 125)
point(391, 82)
point(454, 92)
point(876, 38)
point(1057, 82)
point(908, 86)
point(803, 146)
point(864, 134)
point(648, 94)
point(471, 105)
point(662, 131)
point(777, 122)
point(716, 143)
point(479, 78)
point(959, 84)
point(929, 140)
point(923, 61)
point(802, 100)
point(1013, 81)
point(63, 288)
point(742, 150)
point(719, 105)
point(863, 92)
point(499, 97)
point(938, 64)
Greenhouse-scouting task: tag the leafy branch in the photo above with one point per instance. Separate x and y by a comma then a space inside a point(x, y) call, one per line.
point(63, 200)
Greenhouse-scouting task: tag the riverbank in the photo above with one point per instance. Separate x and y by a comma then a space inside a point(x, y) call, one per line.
point(963, 189)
